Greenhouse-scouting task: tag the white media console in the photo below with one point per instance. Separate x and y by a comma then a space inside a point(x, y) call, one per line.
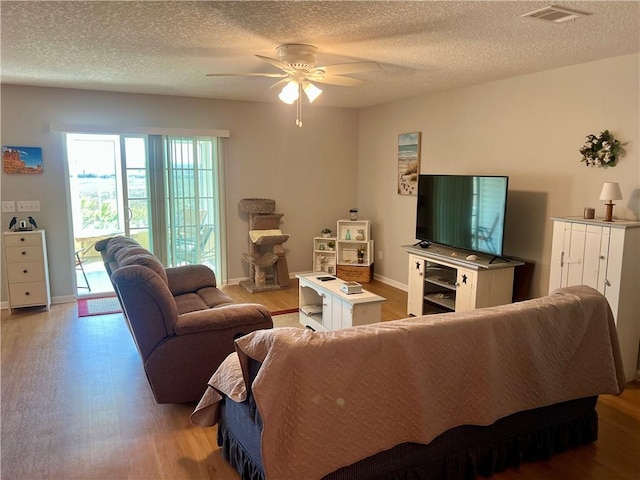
point(442, 279)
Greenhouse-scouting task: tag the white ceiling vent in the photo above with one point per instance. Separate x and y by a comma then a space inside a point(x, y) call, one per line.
point(555, 14)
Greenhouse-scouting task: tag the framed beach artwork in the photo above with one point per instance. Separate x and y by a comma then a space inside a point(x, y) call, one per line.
point(408, 163)
point(21, 159)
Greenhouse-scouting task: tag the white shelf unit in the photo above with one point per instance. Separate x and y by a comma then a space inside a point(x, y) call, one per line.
point(324, 254)
point(354, 236)
point(442, 280)
point(604, 256)
point(348, 253)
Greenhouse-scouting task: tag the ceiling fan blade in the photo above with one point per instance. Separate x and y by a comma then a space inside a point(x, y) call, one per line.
point(336, 80)
point(279, 82)
point(270, 75)
point(274, 62)
point(347, 68)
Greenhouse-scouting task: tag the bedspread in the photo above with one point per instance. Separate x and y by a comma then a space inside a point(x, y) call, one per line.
point(329, 399)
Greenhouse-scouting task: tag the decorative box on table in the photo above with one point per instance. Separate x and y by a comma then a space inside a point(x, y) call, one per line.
point(355, 273)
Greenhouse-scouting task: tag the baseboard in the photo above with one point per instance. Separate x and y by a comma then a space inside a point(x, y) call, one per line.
point(236, 281)
point(392, 283)
point(63, 299)
point(380, 278)
point(54, 301)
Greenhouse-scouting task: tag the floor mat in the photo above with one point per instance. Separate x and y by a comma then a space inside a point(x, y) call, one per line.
point(98, 306)
point(287, 320)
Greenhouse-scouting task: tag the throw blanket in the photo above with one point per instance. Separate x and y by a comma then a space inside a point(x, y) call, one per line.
point(329, 399)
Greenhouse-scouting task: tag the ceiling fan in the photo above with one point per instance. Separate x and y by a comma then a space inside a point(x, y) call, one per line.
point(299, 73)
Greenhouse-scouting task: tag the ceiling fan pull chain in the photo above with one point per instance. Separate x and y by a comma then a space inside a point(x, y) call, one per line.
point(299, 107)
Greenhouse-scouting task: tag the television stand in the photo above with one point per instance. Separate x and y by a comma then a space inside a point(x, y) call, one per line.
point(422, 244)
point(496, 258)
point(441, 280)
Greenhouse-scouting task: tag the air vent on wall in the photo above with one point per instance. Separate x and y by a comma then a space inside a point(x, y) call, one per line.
point(555, 14)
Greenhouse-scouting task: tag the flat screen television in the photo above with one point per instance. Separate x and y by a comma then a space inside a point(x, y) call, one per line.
point(462, 211)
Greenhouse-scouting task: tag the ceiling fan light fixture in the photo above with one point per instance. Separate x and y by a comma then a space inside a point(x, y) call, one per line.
point(311, 91)
point(289, 93)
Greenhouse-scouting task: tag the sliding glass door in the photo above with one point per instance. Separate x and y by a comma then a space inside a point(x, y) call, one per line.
point(109, 196)
point(162, 191)
point(192, 186)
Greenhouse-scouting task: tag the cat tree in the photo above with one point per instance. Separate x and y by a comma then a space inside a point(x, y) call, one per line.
point(267, 263)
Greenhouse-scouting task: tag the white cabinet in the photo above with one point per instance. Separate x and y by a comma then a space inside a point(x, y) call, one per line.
point(442, 280)
point(25, 255)
point(324, 254)
point(604, 256)
point(323, 306)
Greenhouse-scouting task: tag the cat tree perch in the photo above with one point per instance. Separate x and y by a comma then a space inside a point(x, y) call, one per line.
point(267, 263)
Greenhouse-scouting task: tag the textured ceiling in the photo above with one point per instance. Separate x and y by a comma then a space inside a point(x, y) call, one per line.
point(168, 47)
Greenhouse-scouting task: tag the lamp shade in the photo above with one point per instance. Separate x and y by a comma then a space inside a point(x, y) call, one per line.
point(289, 93)
point(611, 191)
point(311, 91)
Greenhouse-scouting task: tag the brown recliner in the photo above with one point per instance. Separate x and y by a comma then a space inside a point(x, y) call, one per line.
point(183, 326)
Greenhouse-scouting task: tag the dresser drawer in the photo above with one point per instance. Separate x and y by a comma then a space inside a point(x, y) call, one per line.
point(24, 253)
point(29, 293)
point(23, 239)
point(25, 272)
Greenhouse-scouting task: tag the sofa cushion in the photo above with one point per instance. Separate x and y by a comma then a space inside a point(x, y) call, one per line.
point(189, 278)
point(126, 258)
point(214, 297)
point(117, 243)
point(126, 251)
point(238, 318)
point(189, 302)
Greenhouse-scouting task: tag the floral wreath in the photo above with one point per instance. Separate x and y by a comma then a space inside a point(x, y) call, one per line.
point(601, 150)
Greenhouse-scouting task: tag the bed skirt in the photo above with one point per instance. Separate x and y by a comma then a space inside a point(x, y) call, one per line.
point(460, 453)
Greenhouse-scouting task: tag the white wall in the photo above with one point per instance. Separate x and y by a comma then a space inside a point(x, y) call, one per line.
point(529, 128)
point(311, 172)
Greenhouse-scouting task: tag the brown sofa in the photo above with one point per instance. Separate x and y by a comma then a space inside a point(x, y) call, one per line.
point(183, 326)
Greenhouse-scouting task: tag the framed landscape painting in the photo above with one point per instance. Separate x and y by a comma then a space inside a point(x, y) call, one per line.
point(408, 163)
point(22, 159)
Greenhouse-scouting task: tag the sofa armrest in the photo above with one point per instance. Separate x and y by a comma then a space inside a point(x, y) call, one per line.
point(189, 278)
point(239, 315)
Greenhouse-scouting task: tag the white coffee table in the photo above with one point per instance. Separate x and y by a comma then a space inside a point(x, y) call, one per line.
point(332, 309)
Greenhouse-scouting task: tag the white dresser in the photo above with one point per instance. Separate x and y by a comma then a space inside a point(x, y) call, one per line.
point(604, 256)
point(27, 270)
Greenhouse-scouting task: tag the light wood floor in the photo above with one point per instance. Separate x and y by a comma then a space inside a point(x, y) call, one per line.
point(76, 405)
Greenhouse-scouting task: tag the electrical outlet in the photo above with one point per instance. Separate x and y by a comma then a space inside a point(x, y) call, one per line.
point(379, 254)
point(29, 206)
point(8, 206)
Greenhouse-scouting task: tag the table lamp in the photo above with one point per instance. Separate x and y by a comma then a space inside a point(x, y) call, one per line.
point(610, 191)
